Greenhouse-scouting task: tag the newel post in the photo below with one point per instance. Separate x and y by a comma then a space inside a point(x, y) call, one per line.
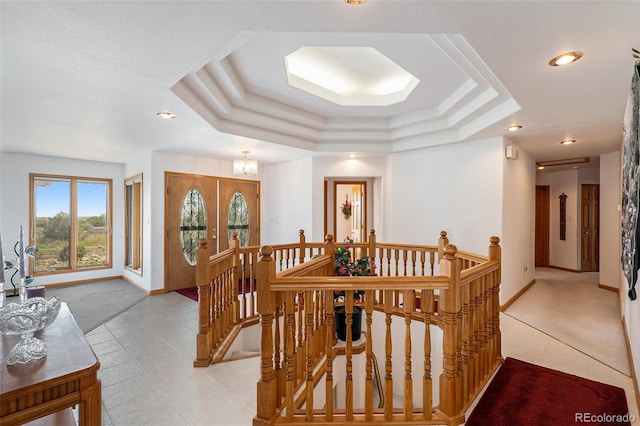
point(442, 243)
point(495, 253)
point(450, 304)
point(236, 276)
point(329, 247)
point(302, 246)
point(372, 246)
point(266, 387)
point(203, 338)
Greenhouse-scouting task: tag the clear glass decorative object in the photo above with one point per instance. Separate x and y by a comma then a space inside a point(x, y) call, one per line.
point(24, 318)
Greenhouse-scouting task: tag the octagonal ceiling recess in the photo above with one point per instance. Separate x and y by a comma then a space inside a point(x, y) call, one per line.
point(244, 90)
point(349, 75)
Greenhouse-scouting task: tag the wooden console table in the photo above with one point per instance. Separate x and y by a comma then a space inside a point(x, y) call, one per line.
point(67, 376)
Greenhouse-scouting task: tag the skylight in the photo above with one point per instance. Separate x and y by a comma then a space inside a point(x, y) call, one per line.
point(349, 75)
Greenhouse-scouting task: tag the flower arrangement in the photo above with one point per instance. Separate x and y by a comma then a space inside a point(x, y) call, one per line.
point(346, 266)
point(346, 209)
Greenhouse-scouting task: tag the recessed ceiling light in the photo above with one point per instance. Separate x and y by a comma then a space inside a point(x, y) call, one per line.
point(540, 167)
point(355, 1)
point(352, 156)
point(514, 128)
point(166, 115)
point(565, 58)
point(568, 141)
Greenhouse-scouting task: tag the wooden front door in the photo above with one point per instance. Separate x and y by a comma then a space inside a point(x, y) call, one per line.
point(239, 212)
point(542, 226)
point(590, 237)
point(190, 214)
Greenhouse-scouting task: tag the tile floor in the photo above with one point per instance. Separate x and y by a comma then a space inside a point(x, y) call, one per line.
point(148, 378)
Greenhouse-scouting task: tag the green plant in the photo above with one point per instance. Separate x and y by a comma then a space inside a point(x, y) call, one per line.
point(346, 266)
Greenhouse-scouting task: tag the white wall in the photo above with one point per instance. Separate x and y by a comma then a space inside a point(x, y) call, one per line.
point(14, 185)
point(518, 226)
point(456, 188)
point(287, 200)
point(610, 220)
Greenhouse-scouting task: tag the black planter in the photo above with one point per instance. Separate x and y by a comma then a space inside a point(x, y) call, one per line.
point(341, 323)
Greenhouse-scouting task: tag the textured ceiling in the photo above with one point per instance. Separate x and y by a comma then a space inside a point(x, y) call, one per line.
point(85, 79)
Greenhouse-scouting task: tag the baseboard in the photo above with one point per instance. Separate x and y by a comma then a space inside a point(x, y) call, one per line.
point(576, 271)
point(609, 288)
point(91, 280)
point(128, 281)
point(634, 377)
point(518, 294)
point(157, 292)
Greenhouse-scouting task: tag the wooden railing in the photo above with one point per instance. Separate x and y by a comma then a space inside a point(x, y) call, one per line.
point(421, 295)
point(227, 291)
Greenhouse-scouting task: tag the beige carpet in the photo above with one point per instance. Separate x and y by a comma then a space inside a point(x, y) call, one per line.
point(571, 308)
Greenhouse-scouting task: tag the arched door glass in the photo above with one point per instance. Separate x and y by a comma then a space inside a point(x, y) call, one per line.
point(193, 224)
point(239, 218)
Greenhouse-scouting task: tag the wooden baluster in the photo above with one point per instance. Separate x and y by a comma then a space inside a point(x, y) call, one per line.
point(449, 306)
point(203, 279)
point(389, 256)
point(266, 387)
point(244, 304)
point(467, 335)
point(489, 323)
point(409, 298)
point(303, 245)
point(226, 303)
point(309, 356)
point(300, 347)
point(252, 286)
point(216, 308)
point(476, 334)
point(396, 259)
point(328, 298)
point(426, 305)
point(348, 304)
point(368, 398)
point(277, 339)
point(413, 262)
point(290, 357)
point(388, 364)
point(459, 337)
point(432, 261)
point(405, 259)
point(236, 276)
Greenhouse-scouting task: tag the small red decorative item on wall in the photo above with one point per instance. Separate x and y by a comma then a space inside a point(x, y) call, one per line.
point(346, 208)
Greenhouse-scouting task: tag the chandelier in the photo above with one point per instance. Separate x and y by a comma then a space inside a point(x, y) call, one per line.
point(245, 166)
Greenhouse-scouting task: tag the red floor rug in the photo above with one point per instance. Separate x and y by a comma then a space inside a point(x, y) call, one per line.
point(191, 293)
point(523, 394)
